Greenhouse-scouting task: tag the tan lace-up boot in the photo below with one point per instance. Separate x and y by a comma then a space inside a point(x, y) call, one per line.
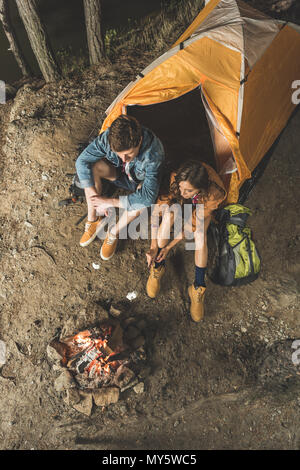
point(197, 302)
point(153, 283)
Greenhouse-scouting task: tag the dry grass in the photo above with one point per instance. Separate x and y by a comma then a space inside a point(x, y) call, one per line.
point(157, 32)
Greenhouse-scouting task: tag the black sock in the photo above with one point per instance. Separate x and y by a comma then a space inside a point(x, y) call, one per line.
point(162, 263)
point(199, 277)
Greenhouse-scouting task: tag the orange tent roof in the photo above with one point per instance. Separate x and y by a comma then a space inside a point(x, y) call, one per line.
point(245, 63)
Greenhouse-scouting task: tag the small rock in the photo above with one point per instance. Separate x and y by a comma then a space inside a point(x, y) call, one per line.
point(72, 396)
point(106, 396)
point(243, 329)
point(124, 376)
point(86, 403)
point(28, 224)
point(114, 311)
point(53, 355)
point(139, 388)
point(64, 382)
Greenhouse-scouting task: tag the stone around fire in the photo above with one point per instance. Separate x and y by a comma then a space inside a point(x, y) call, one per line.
point(106, 396)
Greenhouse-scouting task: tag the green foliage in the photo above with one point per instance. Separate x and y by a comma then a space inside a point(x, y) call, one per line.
point(111, 36)
point(71, 62)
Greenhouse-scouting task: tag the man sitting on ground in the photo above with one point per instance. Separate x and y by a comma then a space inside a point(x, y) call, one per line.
point(130, 156)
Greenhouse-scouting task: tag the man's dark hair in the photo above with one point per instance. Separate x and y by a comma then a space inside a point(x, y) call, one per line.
point(125, 133)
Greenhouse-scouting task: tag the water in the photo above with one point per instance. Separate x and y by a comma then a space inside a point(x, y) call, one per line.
point(64, 21)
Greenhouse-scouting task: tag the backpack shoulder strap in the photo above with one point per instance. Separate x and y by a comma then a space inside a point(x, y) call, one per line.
point(239, 220)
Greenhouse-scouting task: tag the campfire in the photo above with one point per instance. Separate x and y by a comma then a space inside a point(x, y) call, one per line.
point(99, 363)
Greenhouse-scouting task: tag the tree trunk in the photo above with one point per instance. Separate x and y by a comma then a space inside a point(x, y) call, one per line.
point(38, 39)
point(96, 45)
point(12, 39)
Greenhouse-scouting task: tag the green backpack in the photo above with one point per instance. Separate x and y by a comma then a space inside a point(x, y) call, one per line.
point(237, 261)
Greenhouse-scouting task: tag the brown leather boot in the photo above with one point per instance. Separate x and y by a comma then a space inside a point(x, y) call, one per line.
point(153, 283)
point(197, 302)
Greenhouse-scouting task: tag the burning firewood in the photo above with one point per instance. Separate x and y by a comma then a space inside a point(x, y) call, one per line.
point(97, 363)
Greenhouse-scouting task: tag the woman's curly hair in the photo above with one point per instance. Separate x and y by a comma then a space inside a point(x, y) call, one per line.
point(196, 174)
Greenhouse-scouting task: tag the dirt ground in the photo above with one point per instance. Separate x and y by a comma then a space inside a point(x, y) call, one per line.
point(227, 383)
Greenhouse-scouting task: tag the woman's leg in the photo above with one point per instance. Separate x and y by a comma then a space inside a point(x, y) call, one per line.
point(164, 231)
point(201, 253)
point(157, 269)
point(197, 289)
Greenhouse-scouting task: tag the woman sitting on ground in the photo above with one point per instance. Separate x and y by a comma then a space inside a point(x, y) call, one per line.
point(194, 183)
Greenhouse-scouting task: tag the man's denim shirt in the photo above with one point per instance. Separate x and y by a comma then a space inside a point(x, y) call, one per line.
point(145, 166)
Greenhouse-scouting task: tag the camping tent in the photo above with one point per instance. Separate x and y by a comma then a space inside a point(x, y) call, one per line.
point(222, 93)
